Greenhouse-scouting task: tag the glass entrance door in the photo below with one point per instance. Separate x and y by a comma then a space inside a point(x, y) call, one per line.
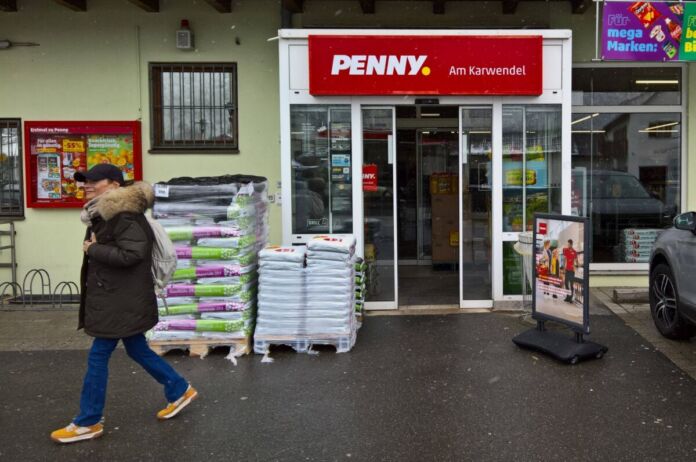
point(475, 205)
point(379, 205)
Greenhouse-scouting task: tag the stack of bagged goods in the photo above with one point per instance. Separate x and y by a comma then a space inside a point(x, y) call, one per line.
point(636, 244)
point(217, 225)
point(360, 286)
point(282, 297)
point(309, 305)
point(331, 285)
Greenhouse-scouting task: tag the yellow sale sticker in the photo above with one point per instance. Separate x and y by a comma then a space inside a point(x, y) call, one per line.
point(73, 146)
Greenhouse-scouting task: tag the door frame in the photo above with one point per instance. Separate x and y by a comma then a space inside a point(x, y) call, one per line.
point(496, 126)
point(359, 204)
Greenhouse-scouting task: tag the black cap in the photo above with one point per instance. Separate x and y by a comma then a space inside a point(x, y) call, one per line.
point(101, 172)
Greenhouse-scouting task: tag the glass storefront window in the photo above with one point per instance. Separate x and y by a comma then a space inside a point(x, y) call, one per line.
point(531, 164)
point(626, 178)
point(626, 86)
point(320, 137)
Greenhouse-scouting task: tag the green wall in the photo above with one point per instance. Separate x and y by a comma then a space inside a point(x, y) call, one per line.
point(91, 66)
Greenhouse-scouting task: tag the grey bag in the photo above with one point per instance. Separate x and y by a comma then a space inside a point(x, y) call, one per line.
point(163, 257)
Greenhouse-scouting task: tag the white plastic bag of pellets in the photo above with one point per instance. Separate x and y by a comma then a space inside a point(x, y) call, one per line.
point(328, 256)
point(341, 243)
point(284, 254)
point(338, 264)
point(269, 267)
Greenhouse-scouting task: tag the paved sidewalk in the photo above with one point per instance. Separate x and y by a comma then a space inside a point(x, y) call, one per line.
point(415, 388)
point(638, 317)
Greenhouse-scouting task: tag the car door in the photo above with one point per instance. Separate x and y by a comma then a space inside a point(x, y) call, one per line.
point(685, 252)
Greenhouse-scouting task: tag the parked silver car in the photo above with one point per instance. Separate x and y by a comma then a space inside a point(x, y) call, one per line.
point(672, 285)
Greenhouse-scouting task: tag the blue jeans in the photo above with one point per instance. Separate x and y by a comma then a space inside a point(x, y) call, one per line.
point(94, 387)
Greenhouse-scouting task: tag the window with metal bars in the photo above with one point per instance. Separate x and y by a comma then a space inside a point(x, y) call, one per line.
point(11, 194)
point(194, 107)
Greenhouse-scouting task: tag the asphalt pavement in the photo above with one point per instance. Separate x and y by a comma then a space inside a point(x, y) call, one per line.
point(414, 388)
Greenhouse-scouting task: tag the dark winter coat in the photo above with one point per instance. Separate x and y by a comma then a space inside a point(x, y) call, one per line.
point(117, 291)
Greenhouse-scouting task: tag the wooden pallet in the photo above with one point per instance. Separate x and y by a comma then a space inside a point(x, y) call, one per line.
point(201, 347)
point(304, 344)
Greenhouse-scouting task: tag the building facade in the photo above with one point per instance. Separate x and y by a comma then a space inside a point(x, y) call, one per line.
point(629, 149)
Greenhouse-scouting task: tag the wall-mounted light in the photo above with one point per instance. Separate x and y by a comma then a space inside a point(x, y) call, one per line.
point(184, 36)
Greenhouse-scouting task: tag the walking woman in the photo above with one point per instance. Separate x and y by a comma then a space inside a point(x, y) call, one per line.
point(117, 296)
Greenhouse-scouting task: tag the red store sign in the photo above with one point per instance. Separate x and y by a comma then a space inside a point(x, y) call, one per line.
point(425, 65)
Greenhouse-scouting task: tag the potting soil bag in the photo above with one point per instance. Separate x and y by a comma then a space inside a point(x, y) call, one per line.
point(212, 270)
point(228, 242)
point(206, 290)
point(200, 325)
point(203, 307)
point(187, 233)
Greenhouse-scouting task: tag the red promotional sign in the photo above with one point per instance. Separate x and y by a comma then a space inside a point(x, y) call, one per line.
point(542, 227)
point(54, 151)
point(425, 65)
point(370, 177)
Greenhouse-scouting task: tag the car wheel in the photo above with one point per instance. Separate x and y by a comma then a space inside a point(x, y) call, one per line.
point(664, 305)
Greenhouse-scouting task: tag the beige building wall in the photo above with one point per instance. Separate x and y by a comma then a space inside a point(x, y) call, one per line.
point(94, 66)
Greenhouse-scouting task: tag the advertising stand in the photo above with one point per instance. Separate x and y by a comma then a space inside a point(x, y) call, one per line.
point(560, 288)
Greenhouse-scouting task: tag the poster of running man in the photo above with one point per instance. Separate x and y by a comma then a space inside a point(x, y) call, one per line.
point(561, 270)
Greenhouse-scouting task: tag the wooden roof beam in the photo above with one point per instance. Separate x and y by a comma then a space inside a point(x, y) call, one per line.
point(222, 6)
point(367, 6)
point(8, 5)
point(151, 6)
point(293, 6)
point(510, 6)
point(578, 6)
point(75, 5)
point(438, 6)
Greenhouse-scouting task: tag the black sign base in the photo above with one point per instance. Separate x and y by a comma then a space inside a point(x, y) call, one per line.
point(560, 346)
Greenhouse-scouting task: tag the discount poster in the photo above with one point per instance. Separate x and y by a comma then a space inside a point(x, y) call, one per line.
point(56, 150)
point(648, 31)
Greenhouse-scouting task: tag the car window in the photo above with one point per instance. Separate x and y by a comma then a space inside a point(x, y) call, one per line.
point(618, 186)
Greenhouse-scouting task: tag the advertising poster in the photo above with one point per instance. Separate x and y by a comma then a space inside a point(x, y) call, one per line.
point(687, 52)
point(646, 31)
point(54, 151)
point(112, 149)
point(561, 267)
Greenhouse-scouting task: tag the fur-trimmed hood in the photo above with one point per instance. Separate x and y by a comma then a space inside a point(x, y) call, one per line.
point(136, 198)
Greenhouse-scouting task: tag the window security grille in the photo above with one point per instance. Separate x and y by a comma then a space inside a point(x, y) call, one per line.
point(194, 107)
point(11, 202)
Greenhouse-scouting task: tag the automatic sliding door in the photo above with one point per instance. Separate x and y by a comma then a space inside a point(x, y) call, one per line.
point(475, 199)
point(379, 202)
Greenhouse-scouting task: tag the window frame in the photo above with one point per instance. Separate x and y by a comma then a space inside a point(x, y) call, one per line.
point(642, 269)
point(157, 144)
point(20, 215)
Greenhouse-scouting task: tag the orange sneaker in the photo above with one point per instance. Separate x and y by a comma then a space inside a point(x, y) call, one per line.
point(174, 408)
point(72, 433)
